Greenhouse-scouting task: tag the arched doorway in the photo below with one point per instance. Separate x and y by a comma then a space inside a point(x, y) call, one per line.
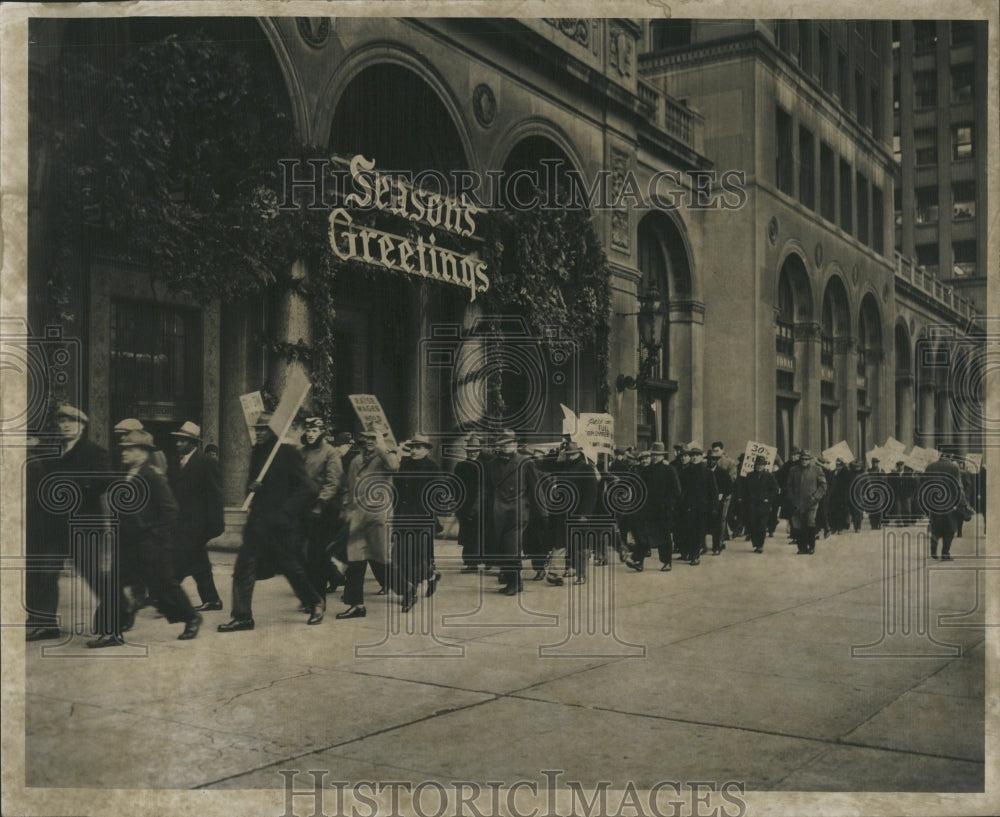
point(662, 413)
point(835, 330)
point(791, 367)
point(869, 373)
point(383, 316)
point(904, 385)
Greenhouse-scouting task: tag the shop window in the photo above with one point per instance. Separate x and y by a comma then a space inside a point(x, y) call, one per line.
point(962, 79)
point(927, 205)
point(963, 200)
point(846, 199)
point(878, 220)
point(964, 252)
point(963, 32)
point(827, 182)
point(924, 89)
point(862, 194)
point(807, 168)
point(961, 141)
point(925, 146)
point(784, 160)
point(924, 35)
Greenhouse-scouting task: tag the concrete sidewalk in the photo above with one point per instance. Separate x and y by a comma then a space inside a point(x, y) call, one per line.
point(738, 669)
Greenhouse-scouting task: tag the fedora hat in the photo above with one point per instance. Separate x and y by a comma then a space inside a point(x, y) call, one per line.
point(506, 436)
point(263, 419)
point(128, 424)
point(66, 410)
point(189, 431)
point(760, 459)
point(343, 438)
point(572, 447)
point(473, 442)
point(657, 448)
point(420, 439)
point(138, 439)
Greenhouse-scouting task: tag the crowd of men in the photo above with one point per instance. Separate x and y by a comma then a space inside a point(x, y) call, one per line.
point(324, 511)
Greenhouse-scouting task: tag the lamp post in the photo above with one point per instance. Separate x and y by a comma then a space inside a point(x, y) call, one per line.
point(650, 323)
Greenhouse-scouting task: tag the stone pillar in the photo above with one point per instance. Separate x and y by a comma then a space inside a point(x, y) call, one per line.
point(687, 367)
point(291, 325)
point(926, 416)
point(845, 360)
point(946, 440)
point(807, 414)
point(905, 409)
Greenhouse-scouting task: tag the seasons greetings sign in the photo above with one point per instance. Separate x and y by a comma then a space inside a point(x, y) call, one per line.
point(394, 195)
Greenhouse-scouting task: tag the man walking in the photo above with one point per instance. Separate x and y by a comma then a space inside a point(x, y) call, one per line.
point(720, 508)
point(805, 488)
point(271, 536)
point(510, 480)
point(413, 553)
point(699, 496)
point(760, 495)
point(197, 487)
point(574, 477)
point(948, 505)
point(147, 532)
point(82, 463)
point(323, 467)
point(663, 493)
point(469, 473)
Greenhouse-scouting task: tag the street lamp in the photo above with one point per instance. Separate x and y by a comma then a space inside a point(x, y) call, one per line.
point(650, 327)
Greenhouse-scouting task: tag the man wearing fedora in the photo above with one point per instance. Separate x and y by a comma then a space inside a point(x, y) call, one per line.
point(273, 530)
point(413, 522)
point(197, 486)
point(82, 463)
point(510, 481)
point(655, 519)
point(147, 532)
point(804, 489)
point(324, 469)
point(157, 458)
point(760, 495)
point(469, 473)
point(571, 476)
point(699, 496)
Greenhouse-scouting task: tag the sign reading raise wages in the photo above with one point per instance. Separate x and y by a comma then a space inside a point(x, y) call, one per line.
point(371, 415)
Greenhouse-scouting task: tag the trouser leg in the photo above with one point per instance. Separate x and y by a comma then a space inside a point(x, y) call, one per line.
point(244, 577)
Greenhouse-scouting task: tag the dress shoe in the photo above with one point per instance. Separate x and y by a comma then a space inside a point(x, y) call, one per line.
point(946, 557)
point(469, 569)
point(236, 625)
point(354, 611)
point(432, 584)
point(553, 579)
point(209, 605)
point(933, 555)
point(408, 603)
point(42, 634)
point(539, 575)
point(695, 562)
point(512, 589)
point(666, 568)
point(758, 550)
point(381, 591)
point(580, 580)
point(316, 616)
point(190, 629)
point(106, 641)
point(636, 566)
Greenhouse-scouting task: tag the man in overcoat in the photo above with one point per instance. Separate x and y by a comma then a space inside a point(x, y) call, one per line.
point(469, 513)
point(759, 493)
point(367, 509)
point(273, 530)
point(147, 532)
point(87, 466)
point(324, 469)
point(699, 496)
point(197, 486)
point(574, 478)
point(655, 519)
point(413, 551)
point(804, 489)
point(946, 504)
point(510, 481)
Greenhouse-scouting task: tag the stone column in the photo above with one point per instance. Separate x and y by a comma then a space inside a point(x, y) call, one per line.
point(905, 409)
point(845, 360)
point(687, 367)
point(807, 355)
point(927, 409)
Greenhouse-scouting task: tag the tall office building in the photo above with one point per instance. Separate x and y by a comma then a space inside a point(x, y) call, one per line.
point(939, 142)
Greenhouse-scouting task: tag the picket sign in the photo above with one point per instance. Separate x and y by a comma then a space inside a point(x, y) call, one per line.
point(371, 415)
point(754, 450)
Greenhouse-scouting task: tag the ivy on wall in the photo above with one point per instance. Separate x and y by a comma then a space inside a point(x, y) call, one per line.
point(167, 157)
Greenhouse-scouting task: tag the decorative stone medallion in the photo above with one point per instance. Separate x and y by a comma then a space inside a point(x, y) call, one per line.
point(313, 30)
point(484, 105)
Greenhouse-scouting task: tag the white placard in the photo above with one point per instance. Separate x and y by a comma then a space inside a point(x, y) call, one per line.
point(754, 450)
point(253, 405)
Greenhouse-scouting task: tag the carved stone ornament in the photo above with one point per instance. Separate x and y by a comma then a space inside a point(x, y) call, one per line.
point(620, 52)
point(772, 229)
point(818, 254)
point(484, 105)
point(313, 30)
point(807, 330)
point(619, 229)
point(576, 28)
